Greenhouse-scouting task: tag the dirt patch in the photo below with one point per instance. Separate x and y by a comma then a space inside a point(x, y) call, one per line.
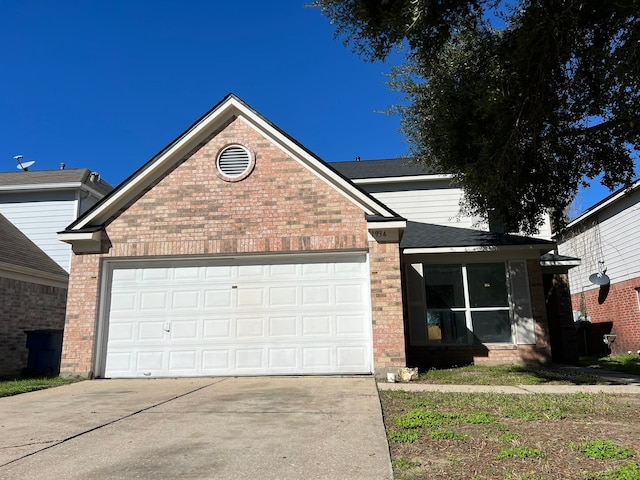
point(541, 427)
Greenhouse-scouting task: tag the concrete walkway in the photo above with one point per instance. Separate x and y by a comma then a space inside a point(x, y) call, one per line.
point(621, 383)
point(197, 428)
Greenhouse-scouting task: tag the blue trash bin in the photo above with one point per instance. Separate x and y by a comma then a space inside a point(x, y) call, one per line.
point(45, 351)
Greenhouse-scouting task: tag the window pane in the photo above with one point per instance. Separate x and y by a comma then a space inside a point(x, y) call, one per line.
point(487, 285)
point(444, 286)
point(491, 327)
point(445, 326)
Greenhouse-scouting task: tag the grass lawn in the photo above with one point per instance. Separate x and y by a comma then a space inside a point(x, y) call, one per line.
point(620, 363)
point(10, 387)
point(507, 375)
point(512, 437)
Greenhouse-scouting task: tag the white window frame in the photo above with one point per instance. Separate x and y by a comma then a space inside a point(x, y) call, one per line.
point(468, 309)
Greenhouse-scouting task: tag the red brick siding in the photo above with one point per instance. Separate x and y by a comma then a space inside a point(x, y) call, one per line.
point(387, 313)
point(280, 207)
point(620, 308)
point(26, 306)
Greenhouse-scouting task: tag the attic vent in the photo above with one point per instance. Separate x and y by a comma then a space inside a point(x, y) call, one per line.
point(234, 162)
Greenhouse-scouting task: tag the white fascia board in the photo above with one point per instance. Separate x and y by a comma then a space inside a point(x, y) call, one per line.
point(476, 249)
point(392, 224)
point(38, 187)
point(598, 207)
point(70, 237)
point(413, 178)
point(560, 263)
point(346, 188)
point(25, 274)
point(41, 186)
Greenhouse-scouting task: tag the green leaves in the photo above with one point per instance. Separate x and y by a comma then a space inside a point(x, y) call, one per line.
point(520, 104)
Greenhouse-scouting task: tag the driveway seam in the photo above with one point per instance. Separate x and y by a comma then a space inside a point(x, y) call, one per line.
point(98, 427)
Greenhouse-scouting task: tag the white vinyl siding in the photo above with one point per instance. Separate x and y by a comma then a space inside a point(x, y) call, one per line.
point(40, 221)
point(271, 316)
point(428, 202)
point(611, 236)
point(433, 201)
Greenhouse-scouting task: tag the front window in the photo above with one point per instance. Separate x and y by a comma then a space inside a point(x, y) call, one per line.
point(467, 303)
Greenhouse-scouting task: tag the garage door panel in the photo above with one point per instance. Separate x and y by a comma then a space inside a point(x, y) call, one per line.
point(249, 358)
point(220, 298)
point(283, 326)
point(185, 299)
point(284, 316)
point(350, 324)
point(250, 327)
point(216, 361)
point(218, 328)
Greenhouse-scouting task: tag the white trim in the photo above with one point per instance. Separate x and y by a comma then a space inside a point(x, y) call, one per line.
point(399, 179)
point(51, 186)
point(560, 263)
point(229, 108)
point(385, 225)
point(70, 237)
point(32, 275)
point(474, 249)
point(601, 206)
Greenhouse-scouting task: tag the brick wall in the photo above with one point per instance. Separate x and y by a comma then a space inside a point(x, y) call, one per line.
point(619, 307)
point(387, 312)
point(280, 207)
point(26, 306)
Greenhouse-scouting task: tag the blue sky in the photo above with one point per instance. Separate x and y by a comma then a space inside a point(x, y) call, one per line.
point(106, 85)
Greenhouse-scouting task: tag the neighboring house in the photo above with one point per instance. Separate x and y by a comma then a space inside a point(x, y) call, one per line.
point(33, 295)
point(34, 265)
point(43, 202)
point(237, 251)
point(605, 237)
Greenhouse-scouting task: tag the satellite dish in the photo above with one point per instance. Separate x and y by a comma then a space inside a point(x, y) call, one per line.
point(25, 166)
point(599, 278)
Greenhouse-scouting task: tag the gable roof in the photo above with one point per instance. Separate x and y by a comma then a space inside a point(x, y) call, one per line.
point(20, 255)
point(47, 179)
point(228, 108)
point(385, 168)
point(430, 238)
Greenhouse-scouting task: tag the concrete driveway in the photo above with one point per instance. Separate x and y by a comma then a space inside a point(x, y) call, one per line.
point(263, 428)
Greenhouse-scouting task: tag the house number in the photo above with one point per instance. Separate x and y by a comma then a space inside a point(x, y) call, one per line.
point(378, 233)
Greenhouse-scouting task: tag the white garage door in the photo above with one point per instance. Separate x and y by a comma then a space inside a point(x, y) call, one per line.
point(271, 316)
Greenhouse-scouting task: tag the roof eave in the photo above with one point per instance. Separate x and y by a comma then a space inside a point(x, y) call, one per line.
point(478, 248)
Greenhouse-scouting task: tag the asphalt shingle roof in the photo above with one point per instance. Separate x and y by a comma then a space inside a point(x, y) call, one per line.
point(392, 167)
point(427, 235)
point(16, 249)
point(44, 177)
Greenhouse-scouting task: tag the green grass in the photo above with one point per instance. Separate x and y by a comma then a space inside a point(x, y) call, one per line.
point(534, 374)
point(447, 435)
point(618, 363)
point(630, 471)
point(520, 452)
point(404, 436)
point(404, 464)
point(18, 386)
point(602, 450)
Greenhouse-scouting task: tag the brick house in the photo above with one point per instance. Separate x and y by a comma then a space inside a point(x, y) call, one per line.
point(236, 251)
point(605, 237)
